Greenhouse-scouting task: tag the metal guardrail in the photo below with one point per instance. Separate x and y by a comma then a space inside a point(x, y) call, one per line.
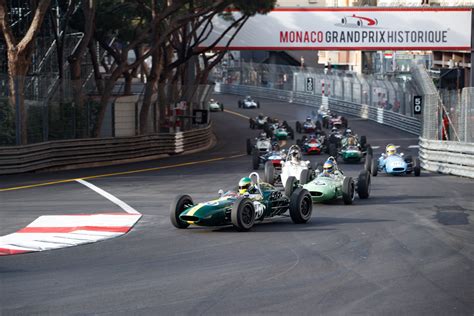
point(59, 154)
point(382, 116)
point(456, 158)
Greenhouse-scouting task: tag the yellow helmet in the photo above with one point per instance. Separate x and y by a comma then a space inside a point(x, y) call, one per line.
point(390, 150)
point(244, 185)
point(328, 166)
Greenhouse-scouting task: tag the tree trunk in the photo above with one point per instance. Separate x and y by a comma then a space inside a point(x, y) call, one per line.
point(18, 65)
point(99, 81)
point(127, 89)
point(149, 90)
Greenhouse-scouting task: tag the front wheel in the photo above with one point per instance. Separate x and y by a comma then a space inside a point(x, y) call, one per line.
point(301, 206)
point(374, 167)
point(416, 167)
point(298, 127)
point(249, 146)
point(348, 191)
point(243, 214)
point(269, 174)
point(290, 186)
point(180, 203)
point(363, 184)
point(255, 159)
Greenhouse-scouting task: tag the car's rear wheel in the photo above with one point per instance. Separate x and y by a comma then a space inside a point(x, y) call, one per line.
point(374, 167)
point(417, 167)
point(301, 206)
point(269, 174)
point(368, 162)
point(298, 127)
point(179, 204)
point(369, 149)
point(363, 141)
point(243, 214)
point(348, 191)
point(249, 146)
point(252, 123)
point(255, 159)
point(290, 186)
point(363, 184)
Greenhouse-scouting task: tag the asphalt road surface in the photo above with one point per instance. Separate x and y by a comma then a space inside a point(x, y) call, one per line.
point(407, 250)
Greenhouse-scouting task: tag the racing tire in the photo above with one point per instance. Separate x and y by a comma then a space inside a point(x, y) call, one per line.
point(363, 141)
point(416, 167)
point(368, 163)
point(374, 167)
point(301, 206)
point(291, 133)
point(369, 150)
point(290, 186)
point(249, 146)
point(348, 191)
point(409, 160)
point(363, 184)
point(255, 159)
point(344, 122)
point(318, 125)
point(252, 123)
point(299, 142)
point(243, 214)
point(298, 127)
point(177, 207)
point(326, 122)
point(269, 174)
point(240, 104)
point(305, 176)
point(332, 150)
point(222, 107)
point(258, 105)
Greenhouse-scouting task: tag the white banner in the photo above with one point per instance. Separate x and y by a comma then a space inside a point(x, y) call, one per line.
point(351, 29)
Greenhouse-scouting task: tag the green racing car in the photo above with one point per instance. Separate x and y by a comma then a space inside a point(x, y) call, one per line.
point(325, 188)
point(242, 210)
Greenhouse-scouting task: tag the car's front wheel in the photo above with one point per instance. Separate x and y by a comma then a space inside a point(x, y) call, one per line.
point(179, 204)
point(301, 206)
point(348, 191)
point(363, 184)
point(243, 214)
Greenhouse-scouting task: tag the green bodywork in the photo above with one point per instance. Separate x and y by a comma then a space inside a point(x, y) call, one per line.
point(325, 188)
point(352, 154)
point(280, 134)
point(218, 212)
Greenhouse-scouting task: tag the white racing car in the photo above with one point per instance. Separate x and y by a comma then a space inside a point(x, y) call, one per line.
point(293, 166)
point(215, 106)
point(262, 143)
point(249, 103)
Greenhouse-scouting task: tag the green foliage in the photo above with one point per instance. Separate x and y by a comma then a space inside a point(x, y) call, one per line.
point(7, 124)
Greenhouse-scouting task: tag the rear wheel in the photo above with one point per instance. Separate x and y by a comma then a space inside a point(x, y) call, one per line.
point(222, 107)
point(252, 123)
point(368, 162)
point(243, 214)
point(249, 146)
point(180, 203)
point(258, 105)
point(348, 191)
point(301, 206)
point(363, 141)
point(255, 159)
point(240, 104)
point(417, 167)
point(269, 174)
point(363, 184)
point(298, 127)
point(370, 151)
point(374, 167)
point(290, 186)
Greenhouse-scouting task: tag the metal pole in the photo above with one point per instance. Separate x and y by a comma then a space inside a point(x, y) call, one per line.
point(471, 77)
point(17, 112)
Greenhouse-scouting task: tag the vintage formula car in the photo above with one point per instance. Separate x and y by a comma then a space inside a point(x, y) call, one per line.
point(262, 144)
point(242, 211)
point(396, 164)
point(276, 157)
point(352, 150)
point(308, 126)
point(248, 103)
point(336, 186)
point(260, 121)
point(279, 131)
point(312, 144)
point(295, 166)
point(215, 106)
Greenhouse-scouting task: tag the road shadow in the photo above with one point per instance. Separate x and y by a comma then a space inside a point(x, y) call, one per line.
point(391, 200)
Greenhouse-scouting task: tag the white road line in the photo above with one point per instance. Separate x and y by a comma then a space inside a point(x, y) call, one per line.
point(124, 206)
point(414, 146)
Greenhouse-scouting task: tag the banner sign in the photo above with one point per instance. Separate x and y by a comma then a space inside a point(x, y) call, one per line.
point(350, 29)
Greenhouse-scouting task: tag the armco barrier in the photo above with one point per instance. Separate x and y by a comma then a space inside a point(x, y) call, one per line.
point(447, 157)
point(386, 117)
point(67, 153)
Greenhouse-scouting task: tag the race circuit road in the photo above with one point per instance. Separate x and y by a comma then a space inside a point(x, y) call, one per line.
point(408, 249)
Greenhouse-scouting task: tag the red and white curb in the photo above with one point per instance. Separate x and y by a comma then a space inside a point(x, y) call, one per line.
point(60, 231)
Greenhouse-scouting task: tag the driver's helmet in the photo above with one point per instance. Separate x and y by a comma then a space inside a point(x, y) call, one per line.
point(211, 100)
point(294, 154)
point(328, 166)
point(348, 131)
point(275, 146)
point(263, 135)
point(334, 130)
point(390, 150)
point(244, 185)
point(308, 119)
point(260, 116)
point(248, 97)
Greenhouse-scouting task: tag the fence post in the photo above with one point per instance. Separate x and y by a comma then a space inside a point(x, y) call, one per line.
point(17, 112)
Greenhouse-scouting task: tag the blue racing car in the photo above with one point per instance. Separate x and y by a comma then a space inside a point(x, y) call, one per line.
point(395, 164)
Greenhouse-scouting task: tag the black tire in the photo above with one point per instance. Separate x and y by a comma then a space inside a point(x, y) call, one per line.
point(369, 150)
point(252, 123)
point(291, 133)
point(374, 167)
point(290, 186)
point(409, 160)
point(363, 184)
point(305, 176)
point(348, 191)
point(258, 105)
point(240, 104)
point(255, 159)
point(368, 162)
point(299, 142)
point(344, 122)
point(301, 206)
point(332, 150)
point(249, 146)
point(318, 125)
point(298, 127)
point(222, 107)
point(269, 174)
point(177, 207)
point(363, 141)
point(416, 167)
point(243, 214)
point(326, 122)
